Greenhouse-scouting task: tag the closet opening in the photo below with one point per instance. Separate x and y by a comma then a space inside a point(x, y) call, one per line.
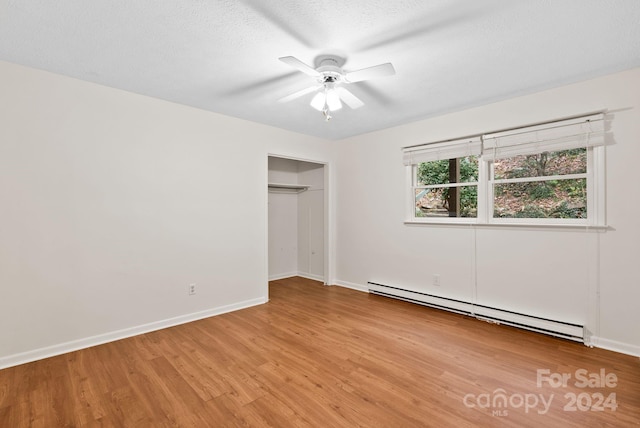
point(297, 219)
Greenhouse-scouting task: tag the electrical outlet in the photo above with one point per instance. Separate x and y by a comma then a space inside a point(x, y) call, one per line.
point(192, 289)
point(436, 280)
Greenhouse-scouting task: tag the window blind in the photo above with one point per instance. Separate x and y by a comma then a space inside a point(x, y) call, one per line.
point(438, 151)
point(586, 131)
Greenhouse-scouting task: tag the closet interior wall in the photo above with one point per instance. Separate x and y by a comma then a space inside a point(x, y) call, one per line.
point(296, 219)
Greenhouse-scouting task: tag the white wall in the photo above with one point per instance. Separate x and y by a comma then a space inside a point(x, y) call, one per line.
point(112, 203)
point(283, 220)
point(283, 235)
point(311, 225)
point(549, 273)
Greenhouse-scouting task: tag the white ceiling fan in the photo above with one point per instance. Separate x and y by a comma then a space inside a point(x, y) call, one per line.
point(330, 80)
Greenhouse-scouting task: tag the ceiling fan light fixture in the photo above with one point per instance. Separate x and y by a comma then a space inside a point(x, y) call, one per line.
point(326, 99)
point(333, 100)
point(318, 101)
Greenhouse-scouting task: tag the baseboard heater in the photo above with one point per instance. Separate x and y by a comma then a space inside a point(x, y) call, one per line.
point(541, 325)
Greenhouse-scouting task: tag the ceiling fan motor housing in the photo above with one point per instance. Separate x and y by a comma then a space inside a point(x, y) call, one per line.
point(330, 69)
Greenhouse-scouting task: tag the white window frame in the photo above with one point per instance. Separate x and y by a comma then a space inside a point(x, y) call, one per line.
point(594, 199)
point(595, 177)
point(413, 179)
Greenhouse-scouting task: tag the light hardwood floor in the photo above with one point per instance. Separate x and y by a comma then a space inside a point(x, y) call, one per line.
point(318, 356)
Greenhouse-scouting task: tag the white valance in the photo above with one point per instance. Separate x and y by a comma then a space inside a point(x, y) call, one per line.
point(586, 131)
point(446, 150)
point(576, 133)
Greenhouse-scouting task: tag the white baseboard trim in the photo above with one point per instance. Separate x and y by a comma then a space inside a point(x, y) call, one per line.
point(294, 274)
point(278, 276)
point(612, 345)
point(352, 285)
point(74, 345)
point(311, 276)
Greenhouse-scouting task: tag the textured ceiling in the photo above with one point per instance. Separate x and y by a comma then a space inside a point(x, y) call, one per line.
point(222, 55)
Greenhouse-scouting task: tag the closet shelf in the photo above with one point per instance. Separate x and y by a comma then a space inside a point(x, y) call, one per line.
point(286, 186)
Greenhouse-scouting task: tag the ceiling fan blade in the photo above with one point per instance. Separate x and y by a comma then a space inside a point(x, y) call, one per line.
point(261, 85)
point(381, 70)
point(299, 65)
point(298, 94)
point(348, 98)
point(270, 14)
point(422, 26)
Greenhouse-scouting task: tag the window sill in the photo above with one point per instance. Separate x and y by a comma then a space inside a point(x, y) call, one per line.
point(468, 224)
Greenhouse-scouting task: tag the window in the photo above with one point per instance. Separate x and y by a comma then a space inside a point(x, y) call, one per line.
point(546, 174)
point(444, 180)
point(540, 185)
point(447, 188)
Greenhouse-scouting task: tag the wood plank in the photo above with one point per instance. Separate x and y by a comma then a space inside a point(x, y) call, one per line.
point(319, 356)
